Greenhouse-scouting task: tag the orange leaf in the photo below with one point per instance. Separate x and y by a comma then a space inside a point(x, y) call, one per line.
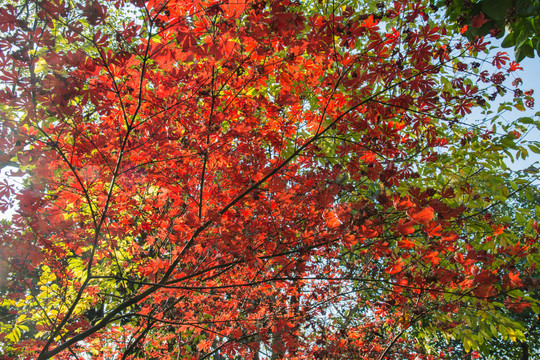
point(514, 278)
point(498, 230)
point(234, 8)
point(395, 267)
point(422, 216)
point(331, 219)
point(403, 203)
point(405, 228)
point(433, 257)
point(406, 243)
point(433, 229)
point(370, 22)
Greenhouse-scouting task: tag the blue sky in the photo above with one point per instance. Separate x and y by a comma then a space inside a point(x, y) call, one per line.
point(531, 80)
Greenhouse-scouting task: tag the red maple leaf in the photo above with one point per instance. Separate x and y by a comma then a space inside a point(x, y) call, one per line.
point(396, 266)
point(234, 8)
point(478, 20)
point(207, 177)
point(500, 59)
point(433, 229)
point(421, 216)
point(405, 227)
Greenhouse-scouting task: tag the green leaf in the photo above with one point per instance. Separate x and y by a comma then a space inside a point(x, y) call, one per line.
point(528, 49)
point(496, 9)
point(508, 41)
point(502, 331)
point(225, 126)
point(513, 185)
point(526, 8)
point(524, 51)
point(535, 149)
point(493, 329)
point(519, 106)
point(526, 120)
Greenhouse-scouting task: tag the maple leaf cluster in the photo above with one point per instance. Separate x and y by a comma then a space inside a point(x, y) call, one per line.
point(250, 179)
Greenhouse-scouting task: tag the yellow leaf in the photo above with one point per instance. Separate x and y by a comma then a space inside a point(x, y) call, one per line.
point(41, 66)
point(520, 107)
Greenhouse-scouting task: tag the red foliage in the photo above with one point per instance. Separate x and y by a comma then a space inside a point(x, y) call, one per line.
point(219, 177)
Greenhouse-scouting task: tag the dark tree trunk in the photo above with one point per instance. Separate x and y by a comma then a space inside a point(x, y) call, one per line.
point(524, 350)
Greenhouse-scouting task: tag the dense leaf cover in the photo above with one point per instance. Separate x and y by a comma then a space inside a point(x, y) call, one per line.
point(518, 21)
point(261, 179)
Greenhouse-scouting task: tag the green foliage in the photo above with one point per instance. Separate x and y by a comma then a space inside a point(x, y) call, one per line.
point(518, 21)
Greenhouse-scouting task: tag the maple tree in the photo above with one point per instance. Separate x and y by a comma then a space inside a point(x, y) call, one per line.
point(251, 179)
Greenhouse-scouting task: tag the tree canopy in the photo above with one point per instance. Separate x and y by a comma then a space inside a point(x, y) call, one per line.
point(518, 21)
point(261, 180)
